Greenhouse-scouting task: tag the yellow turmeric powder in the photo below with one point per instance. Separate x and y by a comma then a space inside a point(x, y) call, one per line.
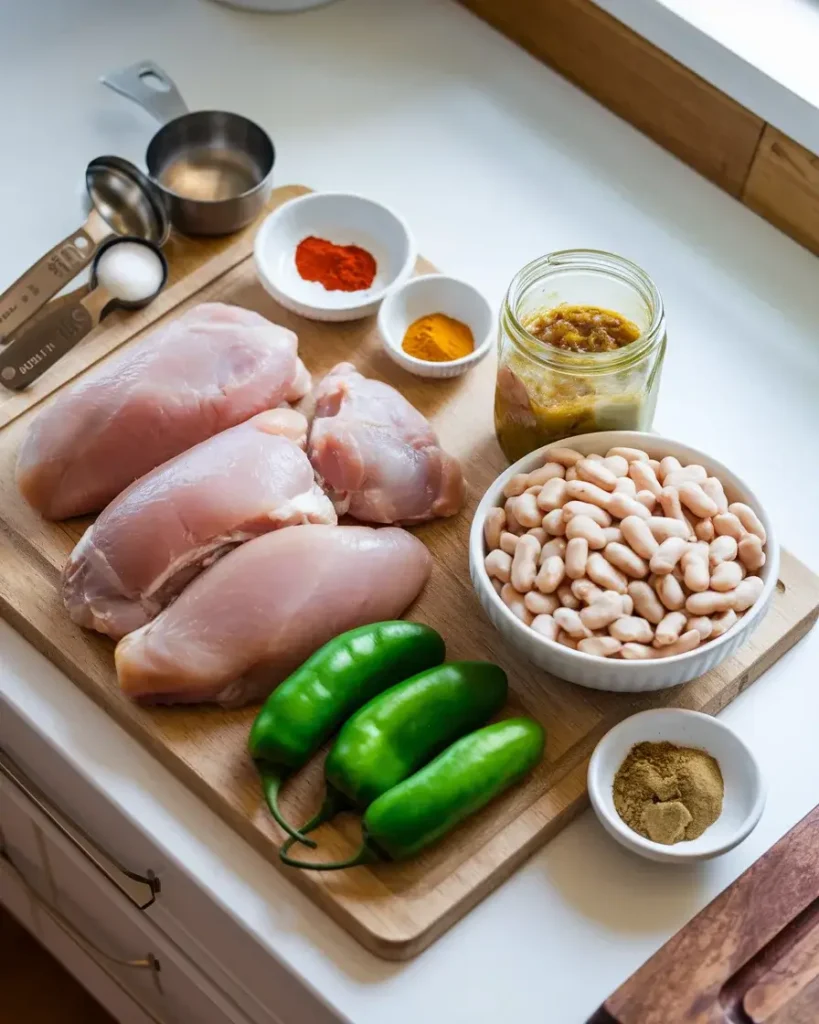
point(438, 338)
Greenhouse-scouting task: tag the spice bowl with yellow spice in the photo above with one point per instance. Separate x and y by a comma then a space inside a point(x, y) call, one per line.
point(436, 326)
point(675, 786)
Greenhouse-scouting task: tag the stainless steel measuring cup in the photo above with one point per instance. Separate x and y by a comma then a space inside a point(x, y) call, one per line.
point(124, 202)
point(65, 322)
point(214, 169)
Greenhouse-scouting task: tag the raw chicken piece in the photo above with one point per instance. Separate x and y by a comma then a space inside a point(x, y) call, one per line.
point(377, 456)
point(208, 370)
point(244, 625)
point(178, 519)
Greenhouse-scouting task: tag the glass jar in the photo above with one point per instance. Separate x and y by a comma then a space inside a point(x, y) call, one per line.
point(543, 392)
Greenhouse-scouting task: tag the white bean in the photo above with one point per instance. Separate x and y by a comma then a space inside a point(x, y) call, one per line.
point(629, 454)
point(493, 527)
point(750, 552)
point(629, 629)
point(701, 623)
point(687, 642)
point(566, 597)
point(498, 586)
point(546, 626)
point(621, 505)
point(670, 502)
point(616, 464)
point(687, 474)
point(539, 534)
point(749, 519)
point(644, 477)
point(571, 474)
point(554, 523)
point(704, 530)
point(602, 572)
point(748, 593)
point(722, 623)
point(716, 492)
point(638, 534)
point(627, 561)
point(571, 623)
point(526, 510)
point(668, 465)
point(577, 552)
point(646, 602)
point(498, 565)
point(566, 640)
point(722, 549)
point(602, 646)
point(596, 473)
point(627, 603)
point(727, 576)
point(536, 489)
point(655, 465)
point(612, 535)
point(555, 546)
point(647, 498)
point(585, 528)
point(669, 629)
point(595, 457)
point(512, 524)
point(668, 555)
point(524, 564)
point(547, 472)
point(565, 456)
point(514, 602)
point(602, 613)
point(710, 601)
point(541, 604)
point(695, 499)
point(670, 592)
point(550, 575)
point(552, 495)
point(625, 485)
point(637, 652)
point(585, 508)
point(694, 563)
point(586, 591)
point(516, 485)
point(508, 542)
point(582, 490)
point(662, 528)
point(726, 524)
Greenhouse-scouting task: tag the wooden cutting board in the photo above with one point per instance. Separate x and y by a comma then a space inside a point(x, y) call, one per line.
point(750, 957)
point(397, 910)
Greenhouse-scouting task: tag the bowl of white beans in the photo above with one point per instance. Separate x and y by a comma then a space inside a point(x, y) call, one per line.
point(622, 560)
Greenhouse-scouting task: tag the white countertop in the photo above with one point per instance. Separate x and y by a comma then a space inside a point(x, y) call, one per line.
point(494, 160)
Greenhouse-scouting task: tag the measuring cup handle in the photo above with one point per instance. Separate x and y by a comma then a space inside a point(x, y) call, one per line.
point(54, 332)
point(45, 278)
point(152, 88)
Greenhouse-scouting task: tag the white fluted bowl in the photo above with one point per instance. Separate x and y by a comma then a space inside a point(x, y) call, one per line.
point(605, 673)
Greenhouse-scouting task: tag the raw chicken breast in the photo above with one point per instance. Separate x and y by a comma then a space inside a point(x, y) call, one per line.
point(244, 625)
point(179, 518)
point(377, 456)
point(212, 368)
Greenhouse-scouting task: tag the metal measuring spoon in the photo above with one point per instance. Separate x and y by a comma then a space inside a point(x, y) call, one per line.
point(67, 321)
point(124, 202)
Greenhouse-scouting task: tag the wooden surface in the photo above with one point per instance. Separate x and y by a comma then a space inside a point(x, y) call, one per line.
point(734, 148)
point(393, 910)
point(661, 97)
point(750, 956)
point(783, 187)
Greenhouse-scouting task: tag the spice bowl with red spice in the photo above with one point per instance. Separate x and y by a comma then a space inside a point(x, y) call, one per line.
point(333, 255)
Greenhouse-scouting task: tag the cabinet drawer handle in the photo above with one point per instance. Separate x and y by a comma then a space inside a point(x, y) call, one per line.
point(78, 837)
point(149, 962)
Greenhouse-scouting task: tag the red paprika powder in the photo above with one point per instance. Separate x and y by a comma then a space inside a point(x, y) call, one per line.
point(340, 268)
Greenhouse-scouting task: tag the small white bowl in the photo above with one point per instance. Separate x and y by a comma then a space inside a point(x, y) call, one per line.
point(607, 673)
point(344, 219)
point(435, 293)
point(744, 797)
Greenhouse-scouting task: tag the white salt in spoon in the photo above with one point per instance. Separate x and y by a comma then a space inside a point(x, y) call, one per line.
point(127, 273)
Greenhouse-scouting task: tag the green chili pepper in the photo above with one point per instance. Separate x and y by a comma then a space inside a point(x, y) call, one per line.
point(402, 729)
point(459, 782)
point(308, 707)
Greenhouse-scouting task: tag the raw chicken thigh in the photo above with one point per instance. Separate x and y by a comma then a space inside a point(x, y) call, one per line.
point(207, 370)
point(179, 518)
point(244, 625)
point(377, 456)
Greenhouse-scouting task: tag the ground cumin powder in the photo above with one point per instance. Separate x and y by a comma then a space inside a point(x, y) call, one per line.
point(667, 793)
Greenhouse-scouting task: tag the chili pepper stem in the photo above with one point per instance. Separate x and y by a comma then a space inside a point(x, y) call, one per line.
point(271, 784)
point(365, 855)
point(334, 802)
